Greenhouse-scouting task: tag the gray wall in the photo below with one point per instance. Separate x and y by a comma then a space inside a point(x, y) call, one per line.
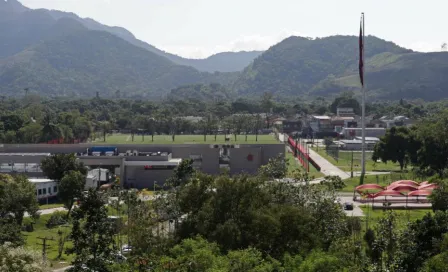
point(210, 156)
point(239, 162)
point(138, 177)
point(145, 178)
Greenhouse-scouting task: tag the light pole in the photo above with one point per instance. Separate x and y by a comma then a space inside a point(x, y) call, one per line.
point(155, 183)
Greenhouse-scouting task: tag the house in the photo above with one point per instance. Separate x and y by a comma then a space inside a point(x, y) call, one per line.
point(339, 123)
point(345, 112)
point(356, 144)
point(289, 126)
point(352, 133)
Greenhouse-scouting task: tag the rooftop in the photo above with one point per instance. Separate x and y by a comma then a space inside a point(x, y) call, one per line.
point(40, 180)
point(25, 154)
point(321, 117)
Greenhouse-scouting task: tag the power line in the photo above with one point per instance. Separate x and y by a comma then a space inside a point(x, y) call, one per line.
point(45, 246)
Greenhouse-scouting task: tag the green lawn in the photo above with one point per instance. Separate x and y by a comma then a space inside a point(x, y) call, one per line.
point(50, 206)
point(345, 158)
point(403, 216)
point(188, 139)
point(40, 230)
point(293, 165)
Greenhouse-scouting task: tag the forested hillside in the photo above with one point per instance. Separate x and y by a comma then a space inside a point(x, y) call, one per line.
point(395, 76)
point(296, 64)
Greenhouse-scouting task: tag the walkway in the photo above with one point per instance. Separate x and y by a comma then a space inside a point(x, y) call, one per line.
point(326, 167)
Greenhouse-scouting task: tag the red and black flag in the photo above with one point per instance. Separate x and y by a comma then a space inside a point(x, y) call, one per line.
point(361, 51)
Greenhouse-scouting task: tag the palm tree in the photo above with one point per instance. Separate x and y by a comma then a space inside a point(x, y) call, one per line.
point(50, 131)
point(105, 127)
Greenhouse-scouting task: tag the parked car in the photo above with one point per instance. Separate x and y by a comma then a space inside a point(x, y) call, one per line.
point(348, 206)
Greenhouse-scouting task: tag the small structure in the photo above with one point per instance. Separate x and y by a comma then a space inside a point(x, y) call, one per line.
point(46, 189)
point(345, 112)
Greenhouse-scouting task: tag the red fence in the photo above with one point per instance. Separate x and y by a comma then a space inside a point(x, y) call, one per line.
point(302, 154)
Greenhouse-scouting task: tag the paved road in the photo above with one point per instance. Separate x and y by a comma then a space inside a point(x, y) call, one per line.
point(356, 209)
point(62, 269)
point(327, 168)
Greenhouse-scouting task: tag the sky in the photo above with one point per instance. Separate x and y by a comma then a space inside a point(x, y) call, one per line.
point(200, 28)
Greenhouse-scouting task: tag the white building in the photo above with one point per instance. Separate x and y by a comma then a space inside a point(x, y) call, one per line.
point(45, 188)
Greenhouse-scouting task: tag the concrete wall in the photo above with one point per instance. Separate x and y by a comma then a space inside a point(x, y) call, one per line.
point(138, 177)
point(145, 178)
point(210, 156)
point(240, 163)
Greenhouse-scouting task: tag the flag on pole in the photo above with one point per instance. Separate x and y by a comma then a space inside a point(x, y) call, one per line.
point(361, 52)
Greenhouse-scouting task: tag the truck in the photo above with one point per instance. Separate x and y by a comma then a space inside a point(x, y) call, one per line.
point(102, 151)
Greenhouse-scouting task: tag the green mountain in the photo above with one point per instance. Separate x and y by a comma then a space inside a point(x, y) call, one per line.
point(222, 62)
point(296, 65)
point(395, 76)
point(60, 56)
point(201, 92)
point(85, 62)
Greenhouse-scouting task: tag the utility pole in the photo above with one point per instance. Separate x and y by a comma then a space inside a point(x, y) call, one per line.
point(351, 167)
point(363, 113)
point(44, 246)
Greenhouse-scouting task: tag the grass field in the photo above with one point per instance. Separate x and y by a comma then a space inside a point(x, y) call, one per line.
point(293, 165)
point(40, 230)
point(188, 139)
point(50, 206)
point(345, 158)
point(403, 216)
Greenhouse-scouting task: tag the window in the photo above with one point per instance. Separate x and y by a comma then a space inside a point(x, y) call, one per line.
point(39, 191)
point(49, 190)
point(44, 191)
point(55, 189)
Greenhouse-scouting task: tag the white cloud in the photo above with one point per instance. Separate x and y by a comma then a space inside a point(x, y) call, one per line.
point(242, 43)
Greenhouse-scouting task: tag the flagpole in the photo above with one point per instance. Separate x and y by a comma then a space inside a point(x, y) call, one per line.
point(363, 113)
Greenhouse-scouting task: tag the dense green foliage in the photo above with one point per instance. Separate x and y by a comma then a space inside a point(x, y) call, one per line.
point(57, 166)
point(57, 53)
point(423, 145)
point(296, 65)
point(20, 260)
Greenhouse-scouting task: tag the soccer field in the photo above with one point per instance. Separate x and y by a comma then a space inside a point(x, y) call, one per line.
point(187, 139)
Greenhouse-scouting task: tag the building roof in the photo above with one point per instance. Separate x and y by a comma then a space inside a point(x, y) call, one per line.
point(321, 117)
point(373, 139)
point(42, 180)
point(355, 141)
point(348, 118)
point(25, 154)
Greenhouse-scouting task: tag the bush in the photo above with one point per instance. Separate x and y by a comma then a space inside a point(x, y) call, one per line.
point(57, 219)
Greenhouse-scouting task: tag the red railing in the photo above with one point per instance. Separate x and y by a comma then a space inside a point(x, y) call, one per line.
point(302, 155)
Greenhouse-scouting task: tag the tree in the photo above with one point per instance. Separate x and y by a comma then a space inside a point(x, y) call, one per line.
point(433, 148)
point(276, 168)
point(421, 240)
point(258, 124)
point(10, 232)
point(439, 197)
point(50, 130)
point(92, 234)
point(21, 260)
point(182, 173)
point(17, 196)
point(57, 165)
point(31, 133)
point(394, 146)
point(385, 243)
point(267, 105)
point(346, 100)
point(71, 186)
point(237, 124)
point(105, 126)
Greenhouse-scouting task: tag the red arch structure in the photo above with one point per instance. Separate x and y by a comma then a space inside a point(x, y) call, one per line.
point(397, 188)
